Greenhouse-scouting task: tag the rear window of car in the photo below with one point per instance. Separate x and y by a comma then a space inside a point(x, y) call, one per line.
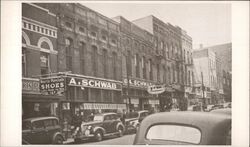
point(175, 133)
point(132, 115)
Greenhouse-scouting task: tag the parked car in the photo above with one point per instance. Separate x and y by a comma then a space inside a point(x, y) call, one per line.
point(227, 111)
point(41, 130)
point(227, 105)
point(185, 128)
point(105, 124)
point(133, 119)
point(217, 106)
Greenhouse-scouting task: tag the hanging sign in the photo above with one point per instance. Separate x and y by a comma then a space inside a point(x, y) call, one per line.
point(156, 89)
point(52, 86)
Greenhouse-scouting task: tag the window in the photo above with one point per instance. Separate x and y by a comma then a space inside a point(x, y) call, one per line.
point(144, 67)
point(68, 43)
point(42, 30)
point(169, 74)
point(44, 63)
point(82, 30)
point(164, 75)
point(48, 123)
point(104, 61)
point(82, 57)
point(68, 25)
point(24, 62)
point(114, 61)
point(93, 34)
point(113, 41)
point(104, 38)
point(137, 65)
point(129, 64)
point(158, 72)
point(34, 27)
point(94, 60)
point(38, 125)
point(150, 69)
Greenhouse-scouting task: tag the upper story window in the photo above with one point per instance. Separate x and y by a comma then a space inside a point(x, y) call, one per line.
point(104, 38)
point(114, 41)
point(68, 25)
point(82, 30)
point(69, 43)
point(114, 62)
point(24, 63)
point(93, 34)
point(44, 63)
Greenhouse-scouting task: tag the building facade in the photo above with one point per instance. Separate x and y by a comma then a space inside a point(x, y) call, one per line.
point(169, 46)
point(39, 57)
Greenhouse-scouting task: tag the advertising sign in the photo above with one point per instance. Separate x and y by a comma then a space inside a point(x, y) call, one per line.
point(156, 89)
point(52, 86)
point(30, 85)
point(137, 83)
point(94, 83)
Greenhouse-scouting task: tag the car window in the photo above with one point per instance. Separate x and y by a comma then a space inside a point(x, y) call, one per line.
point(144, 114)
point(55, 122)
point(38, 125)
point(26, 125)
point(98, 118)
point(177, 133)
point(48, 123)
point(132, 115)
point(107, 117)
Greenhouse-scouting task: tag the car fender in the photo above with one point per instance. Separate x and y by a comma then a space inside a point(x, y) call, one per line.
point(57, 133)
point(99, 128)
point(120, 125)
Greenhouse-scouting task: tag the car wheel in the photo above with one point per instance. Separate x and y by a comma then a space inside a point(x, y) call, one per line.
point(58, 140)
point(120, 132)
point(98, 136)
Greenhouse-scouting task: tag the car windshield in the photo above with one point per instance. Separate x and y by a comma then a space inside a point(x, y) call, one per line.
point(132, 115)
point(26, 125)
point(98, 118)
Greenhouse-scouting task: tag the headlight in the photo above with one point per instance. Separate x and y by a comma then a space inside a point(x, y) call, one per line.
point(89, 127)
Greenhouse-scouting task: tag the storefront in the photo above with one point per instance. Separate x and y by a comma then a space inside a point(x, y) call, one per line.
point(139, 97)
point(36, 102)
point(86, 95)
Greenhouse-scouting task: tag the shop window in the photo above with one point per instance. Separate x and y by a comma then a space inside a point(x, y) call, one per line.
point(24, 63)
point(44, 63)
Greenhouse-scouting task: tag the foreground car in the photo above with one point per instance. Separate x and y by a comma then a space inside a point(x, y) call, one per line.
point(105, 124)
point(41, 130)
point(185, 128)
point(133, 119)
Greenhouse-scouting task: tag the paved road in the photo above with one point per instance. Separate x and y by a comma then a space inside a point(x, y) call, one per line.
point(124, 140)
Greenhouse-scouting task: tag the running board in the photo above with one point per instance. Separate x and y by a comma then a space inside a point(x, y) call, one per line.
point(110, 134)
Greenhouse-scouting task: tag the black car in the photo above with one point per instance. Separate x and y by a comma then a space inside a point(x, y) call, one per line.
point(133, 119)
point(41, 130)
point(105, 124)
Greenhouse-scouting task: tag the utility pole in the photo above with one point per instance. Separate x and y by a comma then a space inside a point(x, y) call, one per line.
point(203, 96)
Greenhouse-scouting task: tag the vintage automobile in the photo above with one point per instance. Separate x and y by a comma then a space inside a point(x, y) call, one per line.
point(185, 128)
point(133, 119)
point(104, 124)
point(227, 111)
point(41, 130)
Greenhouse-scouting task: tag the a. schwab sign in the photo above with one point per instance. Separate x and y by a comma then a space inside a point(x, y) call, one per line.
point(94, 83)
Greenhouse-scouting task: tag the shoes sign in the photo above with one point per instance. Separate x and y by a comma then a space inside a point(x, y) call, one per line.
point(156, 89)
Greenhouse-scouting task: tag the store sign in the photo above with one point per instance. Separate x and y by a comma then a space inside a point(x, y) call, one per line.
point(103, 106)
point(94, 83)
point(52, 86)
point(30, 85)
point(156, 89)
point(136, 83)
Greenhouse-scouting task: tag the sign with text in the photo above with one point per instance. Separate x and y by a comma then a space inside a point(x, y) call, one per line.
point(94, 83)
point(137, 83)
point(156, 89)
point(52, 86)
point(30, 85)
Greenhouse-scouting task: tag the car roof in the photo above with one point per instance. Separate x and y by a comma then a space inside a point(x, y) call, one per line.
point(227, 111)
point(142, 111)
point(109, 113)
point(210, 124)
point(40, 118)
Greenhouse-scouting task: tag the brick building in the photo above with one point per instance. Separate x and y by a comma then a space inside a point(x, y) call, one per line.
point(39, 57)
point(139, 65)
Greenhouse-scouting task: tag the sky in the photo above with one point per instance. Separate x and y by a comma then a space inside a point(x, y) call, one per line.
point(207, 23)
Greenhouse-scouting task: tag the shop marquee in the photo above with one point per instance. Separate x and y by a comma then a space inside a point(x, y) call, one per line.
point(52, 86)
point(94, 83)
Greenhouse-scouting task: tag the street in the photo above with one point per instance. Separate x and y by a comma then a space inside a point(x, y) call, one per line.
point(124, 140)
